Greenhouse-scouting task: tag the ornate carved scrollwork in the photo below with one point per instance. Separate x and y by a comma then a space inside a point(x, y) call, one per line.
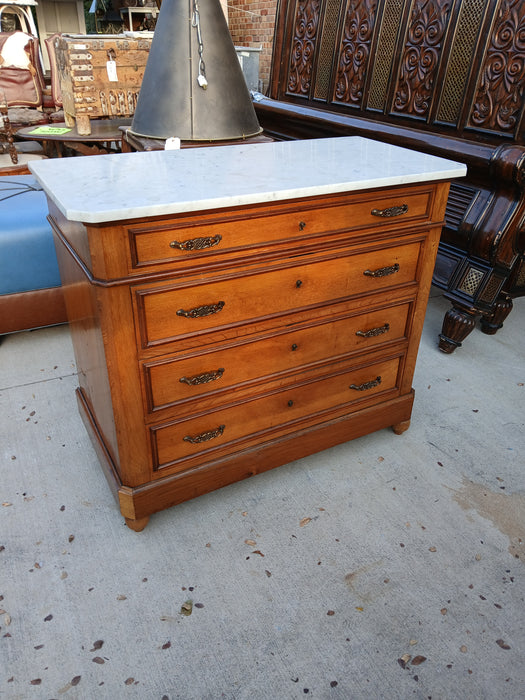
point(355, 51)
point(421, 56)
point(303, 46)
point(498, 103)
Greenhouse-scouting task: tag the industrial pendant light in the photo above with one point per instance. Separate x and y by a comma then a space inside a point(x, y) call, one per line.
point(193, 86)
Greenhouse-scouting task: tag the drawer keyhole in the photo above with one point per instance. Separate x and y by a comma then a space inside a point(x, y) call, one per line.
point(290, 403)
point(294, 346)
point(298, 283)
point(302, 225)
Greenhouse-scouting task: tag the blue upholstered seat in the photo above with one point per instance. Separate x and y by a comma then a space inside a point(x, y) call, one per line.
point(31, 295)
point(27, 252)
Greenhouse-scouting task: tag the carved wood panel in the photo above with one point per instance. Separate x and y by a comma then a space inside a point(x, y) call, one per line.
point(498, 103)
point(452, 66)
point(305, 37)
point(354, 52)
point(421, 56)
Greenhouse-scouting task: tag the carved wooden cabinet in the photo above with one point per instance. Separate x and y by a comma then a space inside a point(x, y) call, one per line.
point(442, 76)
point(216, 343)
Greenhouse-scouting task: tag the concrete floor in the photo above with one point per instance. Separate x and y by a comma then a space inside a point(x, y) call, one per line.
point(387, 567)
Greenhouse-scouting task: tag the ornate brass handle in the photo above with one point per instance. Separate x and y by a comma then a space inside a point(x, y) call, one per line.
point(390, 211)
point(200, 311)
point(204, 437)
point(382, 271)
point(373, 332)
point(367, 385)
point(197, 243)
point(203, 378)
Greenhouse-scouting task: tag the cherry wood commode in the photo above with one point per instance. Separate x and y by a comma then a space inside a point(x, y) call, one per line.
point(219, 335)
point(298, 328)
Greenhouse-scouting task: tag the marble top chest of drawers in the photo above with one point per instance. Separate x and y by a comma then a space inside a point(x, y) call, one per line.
point(233, 309)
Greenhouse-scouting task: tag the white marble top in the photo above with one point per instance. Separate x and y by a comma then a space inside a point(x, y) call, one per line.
point(94, 189)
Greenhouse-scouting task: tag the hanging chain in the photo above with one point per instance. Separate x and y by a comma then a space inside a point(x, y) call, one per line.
point(196, 23)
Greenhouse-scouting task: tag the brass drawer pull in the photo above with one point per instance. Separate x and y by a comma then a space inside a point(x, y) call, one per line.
point(204, 437)
point(197, 243)
point(200, 311)
point(204, 378)
point(367, 385)
point(373, 332)
point(383, 271)
point(390, 211)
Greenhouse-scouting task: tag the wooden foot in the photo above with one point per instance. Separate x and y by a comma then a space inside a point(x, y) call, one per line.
point(399, 428)
point(457, 324)
point(69, 119)
point(83, 124)
point(491, 324)
point(137, 525)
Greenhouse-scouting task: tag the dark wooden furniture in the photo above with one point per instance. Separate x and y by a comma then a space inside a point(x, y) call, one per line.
point(446, 77)
point(216, 343)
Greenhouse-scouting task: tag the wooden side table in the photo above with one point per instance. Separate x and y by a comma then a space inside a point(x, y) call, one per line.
point(105, 137)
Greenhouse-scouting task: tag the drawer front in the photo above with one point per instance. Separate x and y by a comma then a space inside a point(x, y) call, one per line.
point(279, 412)
point(189, 240)
point(192, 377)
point(166, 313)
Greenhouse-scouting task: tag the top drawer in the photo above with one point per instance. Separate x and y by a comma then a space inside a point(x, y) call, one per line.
point(195, 239)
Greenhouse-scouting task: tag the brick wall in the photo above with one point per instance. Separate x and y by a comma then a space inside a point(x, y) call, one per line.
point(252, 24)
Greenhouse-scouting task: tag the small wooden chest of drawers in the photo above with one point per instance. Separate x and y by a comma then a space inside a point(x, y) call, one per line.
point(214, 343)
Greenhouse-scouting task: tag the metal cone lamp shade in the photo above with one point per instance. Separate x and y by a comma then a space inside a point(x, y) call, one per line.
point(193, 86)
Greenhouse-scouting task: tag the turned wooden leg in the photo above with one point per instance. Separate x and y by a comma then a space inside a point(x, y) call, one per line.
point(137, 525)
point(457, 324)
point(491, 324)
point(399, 428)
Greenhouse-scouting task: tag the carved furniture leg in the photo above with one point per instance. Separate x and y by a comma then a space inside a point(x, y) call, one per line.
point(9, 132)
point(399, 428)
point(457, 324)
point(137, 525)
point(491, 324)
